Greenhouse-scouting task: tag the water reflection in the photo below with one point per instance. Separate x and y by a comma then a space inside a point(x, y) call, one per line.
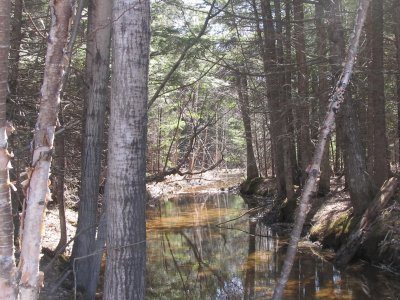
point(189, 257)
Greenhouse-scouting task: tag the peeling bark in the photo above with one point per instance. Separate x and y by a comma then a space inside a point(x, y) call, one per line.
point(8, 288)
point(37, 185)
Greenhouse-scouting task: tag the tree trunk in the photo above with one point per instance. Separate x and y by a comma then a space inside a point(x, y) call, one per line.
point(42, 146)
point(314, 170)
point(357, 178)
point(396, 29)
point(285, 102)
point(15, 46)
point(323, 91)
point(264, 113)
point(288, 92)
point(126, 190)
point(251, 165)
point(59, 170)
point(8, 288)
point(303, 115)
point(97, 73)
point(274, 107)
point(348, 250)
point(376, 97)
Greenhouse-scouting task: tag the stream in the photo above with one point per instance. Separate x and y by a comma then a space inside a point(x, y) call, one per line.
point(190, 256)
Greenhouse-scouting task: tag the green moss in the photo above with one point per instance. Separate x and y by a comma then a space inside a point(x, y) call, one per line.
point(331, 231)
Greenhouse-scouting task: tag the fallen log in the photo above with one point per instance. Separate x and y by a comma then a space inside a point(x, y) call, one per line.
point(346, 253)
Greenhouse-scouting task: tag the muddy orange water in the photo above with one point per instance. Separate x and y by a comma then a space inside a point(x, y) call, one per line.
point(190, 257)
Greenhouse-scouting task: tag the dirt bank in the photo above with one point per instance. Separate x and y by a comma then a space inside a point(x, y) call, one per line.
point(330, 221)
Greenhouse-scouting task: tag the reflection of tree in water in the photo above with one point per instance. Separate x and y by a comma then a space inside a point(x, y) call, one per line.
point(250, 264)
point(199, 258)
point(202, 264)
point(189, 257)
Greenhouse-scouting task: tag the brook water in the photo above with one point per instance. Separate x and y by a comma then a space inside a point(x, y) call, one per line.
point(190, 256)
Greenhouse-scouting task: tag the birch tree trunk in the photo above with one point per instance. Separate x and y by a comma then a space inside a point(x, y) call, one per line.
point(42, 147)
point(310, 186)
point(125, 191)
point(7, 262)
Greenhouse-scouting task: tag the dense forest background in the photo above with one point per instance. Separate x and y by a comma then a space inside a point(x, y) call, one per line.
point(232, 84)
point(209, 65)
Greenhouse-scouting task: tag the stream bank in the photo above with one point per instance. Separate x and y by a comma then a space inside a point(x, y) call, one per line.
point(330, 221)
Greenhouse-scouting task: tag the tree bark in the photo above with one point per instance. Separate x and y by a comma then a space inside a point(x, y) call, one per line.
point(376, 97)
point(251, 165)
point(42, 146)
point(126, 190)
point(269, 64)
point(8, 288)
point(303, 116)
point(348, 250)
point(396, 29)
point(310, 186)
point(288, 92)
point(323, 91)
point(347, 130)
point(97, 74)
point(15, 46)
point(59, 168)
point(284, 78)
